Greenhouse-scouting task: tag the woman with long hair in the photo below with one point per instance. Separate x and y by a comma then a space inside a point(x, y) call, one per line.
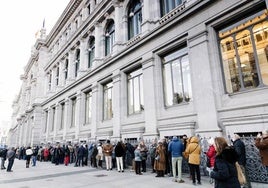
point(224, 171)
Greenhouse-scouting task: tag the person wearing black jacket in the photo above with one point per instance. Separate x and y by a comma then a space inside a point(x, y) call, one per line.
point(3, 158)
point(240, 149)
point(11, 157)
point(120, 151)
point(224, 172)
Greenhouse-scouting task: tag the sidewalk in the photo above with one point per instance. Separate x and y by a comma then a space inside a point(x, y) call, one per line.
point(47, 175)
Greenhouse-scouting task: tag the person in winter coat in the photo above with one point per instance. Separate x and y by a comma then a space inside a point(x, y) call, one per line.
point(29, 153)
point(160, 159)
point(152, 150)
point(3, 157)
point(240, 149)
point(144, 154)
point(107, 150)
point(138, 159)
point(11, 154)
point(262, 144)
point(211, 155)
point(224, 172)
point(120, 151)
point(193, 150)
point(175, 147)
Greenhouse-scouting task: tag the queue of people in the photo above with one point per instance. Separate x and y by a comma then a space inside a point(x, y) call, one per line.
point(166, 156)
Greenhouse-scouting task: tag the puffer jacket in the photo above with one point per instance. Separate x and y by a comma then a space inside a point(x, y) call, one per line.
point(193, 150)
point(224, 171)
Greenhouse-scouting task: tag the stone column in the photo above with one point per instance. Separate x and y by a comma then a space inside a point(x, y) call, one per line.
point(119, 35)
point(53, 79)
point(98, 44)
point(116, 105)
point(148, 15)
point(204, 97)
point(61, 73)
point(67, 116)
point(149, 97)
point(92, 5)
point(56, 120)
point(71, 67)
point(83, 57)
point(95, 108)
point(78, 114)
point(48, 123)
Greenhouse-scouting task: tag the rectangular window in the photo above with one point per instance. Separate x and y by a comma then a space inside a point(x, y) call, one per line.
point(135, 92)
point(244, 53)
point(107, 101)
point(177, 77)
point(168, 5)
point(88, 103)
point(73, 112)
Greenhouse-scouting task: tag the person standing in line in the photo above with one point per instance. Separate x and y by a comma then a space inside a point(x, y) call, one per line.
point(99, 155)
point(240, 149)
point(224, 172)
point(160, 159)
point(262, 144)
point(144, 155)
point(11, 157)
point(66, 155)
point(120, 151)
point(193, 150)
point(211, 155)
point(29, 153)
point(34, 156)
point(137, 160)
point(175, 147)
point(107, 150)
point(3, 157)
point(152, 150)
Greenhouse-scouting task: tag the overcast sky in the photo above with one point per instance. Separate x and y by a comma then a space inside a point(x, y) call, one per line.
point(20, 20)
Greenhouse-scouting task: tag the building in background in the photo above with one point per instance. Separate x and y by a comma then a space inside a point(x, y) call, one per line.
point(145, 69)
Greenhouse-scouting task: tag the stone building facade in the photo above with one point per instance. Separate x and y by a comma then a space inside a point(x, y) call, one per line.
point(145, 69)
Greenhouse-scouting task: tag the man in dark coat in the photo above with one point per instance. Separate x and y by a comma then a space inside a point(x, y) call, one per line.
point(11, 157)
point(3, 157)
point(240, 149)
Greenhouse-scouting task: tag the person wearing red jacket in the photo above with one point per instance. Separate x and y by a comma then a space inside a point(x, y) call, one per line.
point(211, 154)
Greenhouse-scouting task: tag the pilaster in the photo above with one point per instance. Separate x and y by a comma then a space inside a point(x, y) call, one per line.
point(116, 105)
point(149, 97)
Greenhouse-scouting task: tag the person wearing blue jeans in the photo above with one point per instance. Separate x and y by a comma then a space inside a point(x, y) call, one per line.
point(176, 148)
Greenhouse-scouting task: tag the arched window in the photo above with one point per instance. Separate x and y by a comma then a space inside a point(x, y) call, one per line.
point(168, 5)
point(109, 37)
point(91, 51)
point(134, 18)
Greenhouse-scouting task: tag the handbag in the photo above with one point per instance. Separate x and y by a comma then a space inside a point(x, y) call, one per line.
point(208, 162)
point(241, 177)
point(157, 157)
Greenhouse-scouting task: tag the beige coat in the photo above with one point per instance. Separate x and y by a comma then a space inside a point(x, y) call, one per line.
point(193, 150)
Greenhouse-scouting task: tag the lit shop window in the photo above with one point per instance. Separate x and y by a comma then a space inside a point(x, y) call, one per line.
point(244, 50)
